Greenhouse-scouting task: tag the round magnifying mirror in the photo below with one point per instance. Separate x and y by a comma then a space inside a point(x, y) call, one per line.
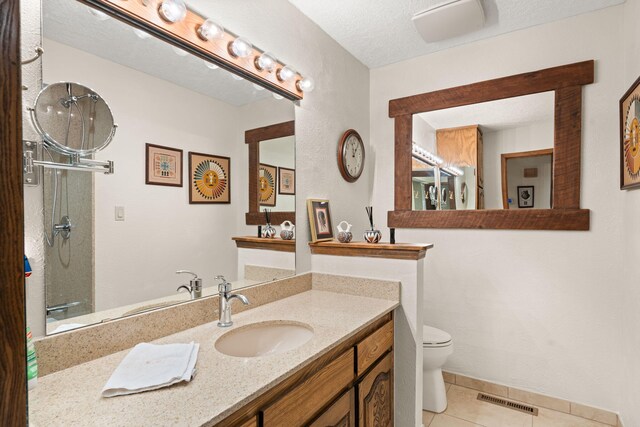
point(73, 119)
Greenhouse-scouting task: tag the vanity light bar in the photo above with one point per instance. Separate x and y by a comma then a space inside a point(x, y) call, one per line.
point(453, 170)
point(209, 40)
point(426, 156)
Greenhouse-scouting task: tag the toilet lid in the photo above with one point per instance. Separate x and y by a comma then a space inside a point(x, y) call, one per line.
point(434, 336)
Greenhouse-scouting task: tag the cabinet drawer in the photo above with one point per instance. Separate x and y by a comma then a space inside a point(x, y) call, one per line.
point(374, 346)
point(304, 401)
point(342, 413)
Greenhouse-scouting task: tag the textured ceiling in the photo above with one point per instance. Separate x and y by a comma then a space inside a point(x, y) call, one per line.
point(70, 23)
point(495, 115)
point(380, 32)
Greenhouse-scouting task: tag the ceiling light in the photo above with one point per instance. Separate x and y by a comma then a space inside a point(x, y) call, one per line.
point(172, 10)
point(210, 65)
point(306, 84)
point(266, 62)
point(210, 30)
point(98, 14)
point(286, 73)
point(240, 48)
point(448, 20)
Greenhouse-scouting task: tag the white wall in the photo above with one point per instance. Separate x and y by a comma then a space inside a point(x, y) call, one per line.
point(532, 309)
point(630, 301)
point(528, 137)
point(281, 153)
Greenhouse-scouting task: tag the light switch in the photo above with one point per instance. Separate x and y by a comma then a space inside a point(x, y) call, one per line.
point(119, 213)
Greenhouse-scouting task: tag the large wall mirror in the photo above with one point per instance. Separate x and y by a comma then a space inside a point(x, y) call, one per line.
point(113, 243)
point(502, 153)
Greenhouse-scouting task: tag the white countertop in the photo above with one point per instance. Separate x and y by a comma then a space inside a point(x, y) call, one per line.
point(222, 383)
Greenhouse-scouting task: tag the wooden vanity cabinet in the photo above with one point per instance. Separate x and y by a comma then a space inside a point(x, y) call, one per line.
point(350, 386)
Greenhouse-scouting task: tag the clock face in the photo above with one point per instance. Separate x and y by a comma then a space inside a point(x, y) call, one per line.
point(352, 156)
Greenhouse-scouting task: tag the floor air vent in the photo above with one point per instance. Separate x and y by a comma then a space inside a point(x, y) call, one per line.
point(508, 404)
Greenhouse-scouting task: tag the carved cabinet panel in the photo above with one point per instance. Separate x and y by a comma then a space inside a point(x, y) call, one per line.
point(375, 395)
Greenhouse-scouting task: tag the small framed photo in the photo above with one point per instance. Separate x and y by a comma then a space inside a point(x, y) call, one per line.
point(286, 181)
point(525, 196)
point(320, 220)
point(210, 178)
point(630, 138)
point(163, 165)
point(267, 176)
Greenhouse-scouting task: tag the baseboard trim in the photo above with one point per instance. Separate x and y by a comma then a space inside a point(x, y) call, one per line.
point(535, 399)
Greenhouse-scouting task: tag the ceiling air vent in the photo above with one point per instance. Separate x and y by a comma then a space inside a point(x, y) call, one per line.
point(508, 404)
point(450, 19)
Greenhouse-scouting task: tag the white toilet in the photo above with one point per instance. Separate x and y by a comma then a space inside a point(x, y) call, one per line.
point(437, 346)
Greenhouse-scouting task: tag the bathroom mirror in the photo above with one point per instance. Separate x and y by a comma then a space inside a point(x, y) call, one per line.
point(465, 146)
point(449, 146)
point(271, 173)
point(126, 235)
point(73, 119)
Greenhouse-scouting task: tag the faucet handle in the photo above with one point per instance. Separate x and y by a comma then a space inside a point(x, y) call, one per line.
point(195, 276)
point(224, 286)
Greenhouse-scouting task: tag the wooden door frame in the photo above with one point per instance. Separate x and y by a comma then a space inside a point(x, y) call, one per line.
point(13, 381)
point(504, 157)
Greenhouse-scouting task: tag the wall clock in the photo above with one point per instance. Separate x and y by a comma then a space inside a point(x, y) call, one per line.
point(351, 155)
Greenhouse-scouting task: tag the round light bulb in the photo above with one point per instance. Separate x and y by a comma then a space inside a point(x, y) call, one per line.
point(99, 14)
point(142, 34)
point(210, 30)
point(240, 48)
point(257, 86)
point(266, 62)
point(286, 73)
point(179, 51)
point(210, 65)
point(306, 84)
point(173, 10)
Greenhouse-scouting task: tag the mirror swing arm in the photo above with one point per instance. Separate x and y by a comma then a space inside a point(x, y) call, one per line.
point(566, 81)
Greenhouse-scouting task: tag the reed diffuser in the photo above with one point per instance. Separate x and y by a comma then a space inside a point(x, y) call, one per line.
point(372, 235)
point(268, 231)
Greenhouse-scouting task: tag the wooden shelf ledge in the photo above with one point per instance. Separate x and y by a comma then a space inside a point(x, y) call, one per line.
point(275, 244)
point(412, 251)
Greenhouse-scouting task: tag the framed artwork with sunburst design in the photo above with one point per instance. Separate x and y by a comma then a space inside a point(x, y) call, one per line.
point(630, 137)
point(267, 181)
point(210, 178)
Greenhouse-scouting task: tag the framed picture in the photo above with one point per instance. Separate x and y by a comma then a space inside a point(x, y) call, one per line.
point(630, 137)
point(525, 196)
point(286, 181)
point(210, 178)
point(320, 220)
point(163, 165)
point(267, 184)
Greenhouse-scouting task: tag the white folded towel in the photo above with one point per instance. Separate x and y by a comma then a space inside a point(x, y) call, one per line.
point(149, 367)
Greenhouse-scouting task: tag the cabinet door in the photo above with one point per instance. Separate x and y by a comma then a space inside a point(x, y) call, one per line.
point(253, 422)
point(341, 414)
point(375, 395)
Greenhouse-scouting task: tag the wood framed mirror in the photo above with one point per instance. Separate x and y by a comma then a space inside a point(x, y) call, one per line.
point(563, 86)
point(253, 138)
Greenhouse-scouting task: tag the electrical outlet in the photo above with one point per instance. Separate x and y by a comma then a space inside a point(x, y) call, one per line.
point(119, 213)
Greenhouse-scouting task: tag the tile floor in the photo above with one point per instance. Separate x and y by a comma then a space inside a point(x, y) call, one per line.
point(464, 410)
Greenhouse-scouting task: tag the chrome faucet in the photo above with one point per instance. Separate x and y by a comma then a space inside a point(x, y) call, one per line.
point(194, 287)
point(225, 298)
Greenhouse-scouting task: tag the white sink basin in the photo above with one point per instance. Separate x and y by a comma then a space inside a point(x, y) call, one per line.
point(265, 338)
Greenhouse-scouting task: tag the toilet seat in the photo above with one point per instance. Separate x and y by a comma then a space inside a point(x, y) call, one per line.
point(434, 337)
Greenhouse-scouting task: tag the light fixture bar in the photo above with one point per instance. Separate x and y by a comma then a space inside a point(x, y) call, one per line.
point(185, 35)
